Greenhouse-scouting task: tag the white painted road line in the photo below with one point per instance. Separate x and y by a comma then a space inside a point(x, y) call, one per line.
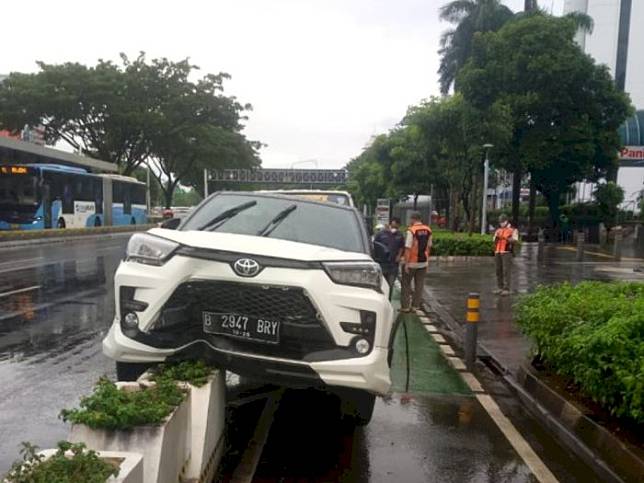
point(447, 350)
point(456, 363)
point(431, 329)
point(439, 338)
point(245, 471)
point(520, 445)
point(472, 382)
point(20, 290)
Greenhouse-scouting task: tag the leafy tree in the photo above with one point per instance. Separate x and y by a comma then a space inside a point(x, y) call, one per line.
point(125, 113)
point(565, 108)
point(231, 150)
point(368, 179)
point(453, 133)
point(608, 197)
point(470, 16)
point(185, 197)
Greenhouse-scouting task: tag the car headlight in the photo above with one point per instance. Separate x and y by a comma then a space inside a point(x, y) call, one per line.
point(360, 274)
point(149, 249)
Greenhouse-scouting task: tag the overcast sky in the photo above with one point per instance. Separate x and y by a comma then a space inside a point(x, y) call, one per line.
point(323, 76)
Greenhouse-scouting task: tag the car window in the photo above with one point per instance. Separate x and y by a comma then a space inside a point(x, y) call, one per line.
point(317, 224)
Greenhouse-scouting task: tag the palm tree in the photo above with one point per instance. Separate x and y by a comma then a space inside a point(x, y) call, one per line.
point(469, 17)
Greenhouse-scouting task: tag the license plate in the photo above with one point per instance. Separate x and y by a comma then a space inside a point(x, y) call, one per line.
point(242, 327)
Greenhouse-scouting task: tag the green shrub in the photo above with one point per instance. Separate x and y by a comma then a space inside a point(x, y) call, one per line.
point(593, 334)
point(83, 466)
point(193, 372)
point(461, 244)
point(110, 408)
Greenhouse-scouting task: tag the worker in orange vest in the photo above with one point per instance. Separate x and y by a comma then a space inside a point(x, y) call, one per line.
point(505, 238)
point(418, 241)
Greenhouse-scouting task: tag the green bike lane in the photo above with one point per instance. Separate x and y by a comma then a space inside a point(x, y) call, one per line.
point(431, 427)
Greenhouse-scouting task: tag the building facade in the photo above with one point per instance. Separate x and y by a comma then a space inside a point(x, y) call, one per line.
point(616, 40)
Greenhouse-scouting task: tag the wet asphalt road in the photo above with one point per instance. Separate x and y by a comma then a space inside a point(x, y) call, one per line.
point(56, 304)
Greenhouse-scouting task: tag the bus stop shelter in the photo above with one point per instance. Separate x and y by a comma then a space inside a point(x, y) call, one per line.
point(14, 151)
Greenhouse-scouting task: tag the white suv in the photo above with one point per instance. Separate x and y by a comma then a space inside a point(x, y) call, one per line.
point(267, 286)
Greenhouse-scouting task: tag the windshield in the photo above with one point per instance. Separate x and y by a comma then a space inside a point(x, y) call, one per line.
point(18, 193)
point(339, 198)
point(313, 223)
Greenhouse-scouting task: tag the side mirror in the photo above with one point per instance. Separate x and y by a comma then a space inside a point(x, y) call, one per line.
point(380, 252)
point(171, 224)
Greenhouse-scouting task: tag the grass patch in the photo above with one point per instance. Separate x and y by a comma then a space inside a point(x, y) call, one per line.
point(12, 235)
point(592, 334)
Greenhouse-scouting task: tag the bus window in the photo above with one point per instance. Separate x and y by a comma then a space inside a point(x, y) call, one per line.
point(139, 192)
point(98, 195)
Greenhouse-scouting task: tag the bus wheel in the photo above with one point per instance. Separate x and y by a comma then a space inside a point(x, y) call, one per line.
point(132, 221)
point(97, 221)
point(61, 223)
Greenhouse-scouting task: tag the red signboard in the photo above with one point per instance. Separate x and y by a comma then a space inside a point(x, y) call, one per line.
point(632, 153)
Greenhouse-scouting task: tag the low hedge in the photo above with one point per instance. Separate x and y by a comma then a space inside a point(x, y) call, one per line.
point(592, 334)
point(12, 235)
point(461, 244)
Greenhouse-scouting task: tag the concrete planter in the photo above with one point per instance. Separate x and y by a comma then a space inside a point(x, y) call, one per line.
point(206, 423)
point(163, 447)
point(130, 465)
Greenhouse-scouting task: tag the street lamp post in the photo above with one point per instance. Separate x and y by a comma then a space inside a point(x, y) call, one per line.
point(486, 172)
point(205, 183)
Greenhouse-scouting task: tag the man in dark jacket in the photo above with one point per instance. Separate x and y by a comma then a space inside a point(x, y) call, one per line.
point(385, 247)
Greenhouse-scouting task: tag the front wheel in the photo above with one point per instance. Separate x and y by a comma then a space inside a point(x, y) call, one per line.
point(60, 224)
point(357, 407)
point(130, 371)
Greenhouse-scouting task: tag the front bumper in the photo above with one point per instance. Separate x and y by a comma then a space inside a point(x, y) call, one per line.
point(338, 366)
point(370, 373)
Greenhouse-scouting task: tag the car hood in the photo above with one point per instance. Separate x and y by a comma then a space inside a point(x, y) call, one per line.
point(253, 245)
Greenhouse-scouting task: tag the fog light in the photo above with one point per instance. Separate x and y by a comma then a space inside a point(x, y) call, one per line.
point(131, 321)
point(362, 346)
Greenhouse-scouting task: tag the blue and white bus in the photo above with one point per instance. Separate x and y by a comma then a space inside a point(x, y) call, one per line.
point(37, 196)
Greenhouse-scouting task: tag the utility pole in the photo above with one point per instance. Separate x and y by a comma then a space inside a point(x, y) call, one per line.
point(486, 173)
point(205, 183)
point(530, 5)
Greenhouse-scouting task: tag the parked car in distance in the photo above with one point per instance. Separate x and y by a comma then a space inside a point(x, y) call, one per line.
point(266, 285)
point(326, 196)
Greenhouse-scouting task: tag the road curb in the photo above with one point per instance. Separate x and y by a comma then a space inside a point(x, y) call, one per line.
point(618, 462)
point(589, 441)
point(63, 238)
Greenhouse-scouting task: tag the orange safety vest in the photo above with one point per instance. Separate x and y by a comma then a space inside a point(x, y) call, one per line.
point(419, 251)
point(503, 239)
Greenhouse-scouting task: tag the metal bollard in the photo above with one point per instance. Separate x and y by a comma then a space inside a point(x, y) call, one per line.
point(471, 329)
point(541, 240)
point(617, 248)
point(581, 239)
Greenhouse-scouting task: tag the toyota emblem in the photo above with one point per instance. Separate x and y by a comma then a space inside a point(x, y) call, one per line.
point(246, 267)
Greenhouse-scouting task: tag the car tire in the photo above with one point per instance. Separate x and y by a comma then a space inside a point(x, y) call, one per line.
point(60, 224)
point(357, 407)
point(97, 222)
point(130, 371)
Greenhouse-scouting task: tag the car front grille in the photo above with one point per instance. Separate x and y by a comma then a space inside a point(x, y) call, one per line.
point(302, 329)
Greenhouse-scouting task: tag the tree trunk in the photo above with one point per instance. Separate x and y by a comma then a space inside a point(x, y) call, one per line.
point(516, 195)
point(531, 208)
point(473, 208)
point(553, 207)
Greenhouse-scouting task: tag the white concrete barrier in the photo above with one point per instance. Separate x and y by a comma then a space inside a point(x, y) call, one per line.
point(164, 447)
point(206, 424)
point(130, 464)
point(206, 432)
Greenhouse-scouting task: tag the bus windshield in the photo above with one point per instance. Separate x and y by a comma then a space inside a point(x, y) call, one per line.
point(18, 193)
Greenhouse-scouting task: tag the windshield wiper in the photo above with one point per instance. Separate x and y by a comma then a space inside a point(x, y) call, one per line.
point(274, 223)
point(224, 216)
